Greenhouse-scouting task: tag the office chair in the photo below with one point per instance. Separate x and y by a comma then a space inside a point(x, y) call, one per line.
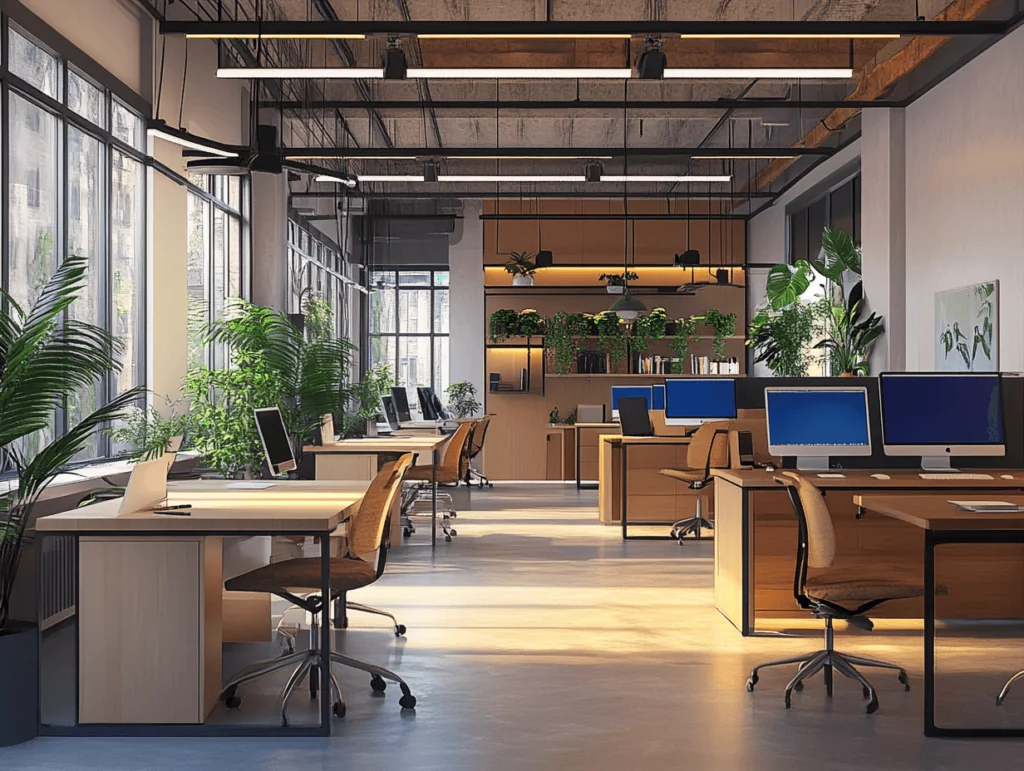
point(831, 594)
point(708, 449)
point(449, 472)
point(476, 444)
point(366, 533)
point(1006, 688)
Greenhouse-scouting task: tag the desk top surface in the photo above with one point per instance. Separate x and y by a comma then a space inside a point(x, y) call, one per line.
point(861, 479)
point(309, 507)
point(616, 438)
point(375, 444)
point(935, 512)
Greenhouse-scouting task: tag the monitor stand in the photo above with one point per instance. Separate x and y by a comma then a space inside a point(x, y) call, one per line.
point(936, 463)
point(812, 462)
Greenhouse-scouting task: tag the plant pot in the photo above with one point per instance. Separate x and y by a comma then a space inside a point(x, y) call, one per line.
point(847, 374)
point(19, 684)
point(522, 280)
point(615, 289)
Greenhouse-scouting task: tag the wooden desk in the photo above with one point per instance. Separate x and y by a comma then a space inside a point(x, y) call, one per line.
point(588, 462)
point(630, 475)
point(149, 589)
point(755, 537)
point(944, 523)
point(334, 461)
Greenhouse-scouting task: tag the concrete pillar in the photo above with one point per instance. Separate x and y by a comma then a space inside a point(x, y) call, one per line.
point(270, 240)
point(467, 322)
point(884, 231)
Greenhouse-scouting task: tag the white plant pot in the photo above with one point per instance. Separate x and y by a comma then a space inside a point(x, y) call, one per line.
point(522, 280)
point(615, 289)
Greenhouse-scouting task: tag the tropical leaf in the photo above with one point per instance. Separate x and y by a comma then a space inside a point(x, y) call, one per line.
point(964, 354)
point(786, 283)
point(841, 254)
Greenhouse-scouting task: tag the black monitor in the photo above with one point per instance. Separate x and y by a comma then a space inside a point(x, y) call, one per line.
point(425, 394)
point(277, 447)
point(390, 413)
point(442, 413)
point(401, 399)
point(634, 418)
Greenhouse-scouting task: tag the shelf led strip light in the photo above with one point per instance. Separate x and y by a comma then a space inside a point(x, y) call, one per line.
point(551, 73)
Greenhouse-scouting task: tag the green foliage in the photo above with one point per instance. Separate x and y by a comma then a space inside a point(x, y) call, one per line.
point(723, 324)
point(462, 401)
point(647, 327)
point(953, 338)
point(841, 254)
point(318, 314)
point(779, 339)
point(553, 416)
point(504, 324)
point(618, 279)
point(365, 400)
point(787, 282)
point(611, 336)
point(850, 339)
point(44, 357)
point(529, 323)
point(561, 338)
point(148, 432)
point(520, 264)
point(685, 336)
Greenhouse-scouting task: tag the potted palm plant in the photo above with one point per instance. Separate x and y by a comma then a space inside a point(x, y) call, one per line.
point(522, 267)
point(44, 358)
point(615, 283)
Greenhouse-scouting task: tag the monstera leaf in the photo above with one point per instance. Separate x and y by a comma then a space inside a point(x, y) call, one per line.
point(787, 282)
point(841, 255)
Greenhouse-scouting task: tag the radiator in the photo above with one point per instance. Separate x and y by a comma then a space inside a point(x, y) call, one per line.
point(56, 580)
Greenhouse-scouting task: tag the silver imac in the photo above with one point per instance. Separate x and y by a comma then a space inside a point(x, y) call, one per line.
point(815, 423)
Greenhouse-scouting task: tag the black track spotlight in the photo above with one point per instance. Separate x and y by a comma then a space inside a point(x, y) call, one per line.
point(395, 67)
point(430, 170)
point(722, 276)
point(594, 172)
point(688, 258)
point(544, 259)
point(651, 64)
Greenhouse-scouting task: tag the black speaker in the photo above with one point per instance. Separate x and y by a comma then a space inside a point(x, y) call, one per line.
point(545, 259)
point(689, 257)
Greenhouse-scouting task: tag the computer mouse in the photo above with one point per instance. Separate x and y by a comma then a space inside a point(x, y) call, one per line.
point(769, 467)
point(880, 476)
point(1006, 476)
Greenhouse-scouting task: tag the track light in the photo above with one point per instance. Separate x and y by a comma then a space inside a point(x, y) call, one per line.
point(523, 73)
point(666, 178)
point(430, 171)
point(594, 171)
point(395, 66)
point(159, 129)
point(688, 258)
point(651, 64)
point(346, 181)
point(760, 73)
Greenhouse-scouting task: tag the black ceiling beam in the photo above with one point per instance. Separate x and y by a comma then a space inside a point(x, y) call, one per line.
point(634, 27)
point(510, 153)
point(590, 104)
point(617, 217)
point(433, 194)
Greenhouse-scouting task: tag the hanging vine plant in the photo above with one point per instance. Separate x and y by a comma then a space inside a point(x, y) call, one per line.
point(648, 327)
point(611, 337)
point(503, 325)
point(685, 336)
point(724, 325)
point(562, 339)
point(530, 323)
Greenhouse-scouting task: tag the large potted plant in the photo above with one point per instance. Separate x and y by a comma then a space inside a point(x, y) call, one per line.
point(522, 267)
point(364, 407)
point(44, 358)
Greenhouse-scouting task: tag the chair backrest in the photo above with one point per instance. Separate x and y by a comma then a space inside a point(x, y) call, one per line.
point(476, 438)
point(709, 446)
point(368, 530)
point(816, 538)
point(450, 463)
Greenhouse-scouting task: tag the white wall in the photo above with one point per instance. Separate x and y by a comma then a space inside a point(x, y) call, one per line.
point(965, 196)
point(467, 322)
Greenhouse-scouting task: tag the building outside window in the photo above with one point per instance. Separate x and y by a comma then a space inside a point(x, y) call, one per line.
point(76, 184)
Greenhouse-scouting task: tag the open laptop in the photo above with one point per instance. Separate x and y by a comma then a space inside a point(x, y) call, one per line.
point(634, 416)
point(147, 485)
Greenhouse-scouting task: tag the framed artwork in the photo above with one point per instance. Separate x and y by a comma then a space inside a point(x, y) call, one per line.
point(967, 329)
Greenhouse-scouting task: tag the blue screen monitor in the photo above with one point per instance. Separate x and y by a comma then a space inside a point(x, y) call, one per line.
point(694, 401)
point(619, 392)
point(937, 415)
point(658, 403)
point(818, 422)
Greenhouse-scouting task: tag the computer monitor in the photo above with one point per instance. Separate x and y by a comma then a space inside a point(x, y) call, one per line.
point(636, 420)
point(814, 423)
point(694, 401)
point(401, 399)
point(938, 415)
point(658, 400)
point(388, 414)
point(624, 392)
point(425, 394)
point(439, 410)
point(277, 447)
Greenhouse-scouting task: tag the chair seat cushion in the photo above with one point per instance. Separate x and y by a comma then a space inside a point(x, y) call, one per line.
point(850, 584)
point(304, 573)
point(684, 475)
point(423, 474)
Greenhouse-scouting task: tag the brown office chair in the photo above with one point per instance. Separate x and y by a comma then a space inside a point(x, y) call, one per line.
point(449, 472)
point(708, 449)
point(366, 533)
point(832, 594)
point(476, 444)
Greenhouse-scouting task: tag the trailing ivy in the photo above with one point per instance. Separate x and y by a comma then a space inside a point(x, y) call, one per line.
point(685, 336)
point(611, 337)
point(562, 334)
point(503, 325)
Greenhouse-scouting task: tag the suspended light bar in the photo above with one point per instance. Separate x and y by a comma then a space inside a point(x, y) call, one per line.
point(665, 178)
point(270, 36)
point(758, 73)
point(529, 157)
point(390, 177)
point(510, 178)
point(744, 157)
point(350, 157)
point(526, 36)
point(554, 73)
point(309, 73)
point(180, 138)
point(824, 36)
point(340, 180)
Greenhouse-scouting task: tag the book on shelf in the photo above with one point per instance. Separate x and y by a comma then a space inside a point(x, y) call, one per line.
point(704, 365)
point(654, 365)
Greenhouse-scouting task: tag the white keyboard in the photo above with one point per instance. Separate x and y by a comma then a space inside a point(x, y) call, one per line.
point(955, 476)
point(832, 476)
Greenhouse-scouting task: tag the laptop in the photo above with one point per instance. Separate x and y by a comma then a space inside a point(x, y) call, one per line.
point(634, 417)
point(147, 486)
point(327, 435)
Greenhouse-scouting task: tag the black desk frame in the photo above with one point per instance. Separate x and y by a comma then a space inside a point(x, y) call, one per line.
point(624, 506)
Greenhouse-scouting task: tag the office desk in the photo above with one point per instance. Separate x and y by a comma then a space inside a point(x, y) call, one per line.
point(588, 461)
point(755, 539)
point(148, 608)
point(630, 475)
point(334, 461)
point(944, 523)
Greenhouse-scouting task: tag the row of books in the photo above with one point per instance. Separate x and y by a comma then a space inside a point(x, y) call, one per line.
point(704, 365)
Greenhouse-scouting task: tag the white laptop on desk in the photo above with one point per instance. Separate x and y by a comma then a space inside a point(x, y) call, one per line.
point(147, 486)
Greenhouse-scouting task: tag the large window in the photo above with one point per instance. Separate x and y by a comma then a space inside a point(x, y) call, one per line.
point(839, 208)
point(218, 261)
point(76, 184)
point(409, 326)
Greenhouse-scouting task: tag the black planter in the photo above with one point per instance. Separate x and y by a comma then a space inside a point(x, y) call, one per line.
point(19, 684)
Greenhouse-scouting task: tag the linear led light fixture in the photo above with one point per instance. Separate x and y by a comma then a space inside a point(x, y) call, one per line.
point(759, 73)
point(510, 178)
point(350, 157)
point(271, 36)
point(390, 177)
point(823, 36)
point(742, 157)
point(526, 36)
point(529, 157)
point(308, 73)
point(340, 180)
point(491, 73)
point(666, 178)
point(178, 137)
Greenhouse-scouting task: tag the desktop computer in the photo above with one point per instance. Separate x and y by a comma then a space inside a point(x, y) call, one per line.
point(277, 446)
point(625, 392)
point(430, 406)
point(694, 401)
point(814, 423)
point(938, 415)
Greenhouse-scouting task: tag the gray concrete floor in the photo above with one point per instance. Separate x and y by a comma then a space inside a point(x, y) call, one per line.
point(539, 640)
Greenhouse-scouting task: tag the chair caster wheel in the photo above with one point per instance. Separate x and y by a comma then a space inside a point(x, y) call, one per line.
point(872, 706)
point(453, 531)
point(788, 705)
point(399, 630)
point(448, 539)
point(905, 681)
point(408, 701)
point(378, 684)
point(798, 687)
point(338, 709)
point(406, 532)
point(454, 515)
point(233, 702)
point(490, 484)
point(751, 682)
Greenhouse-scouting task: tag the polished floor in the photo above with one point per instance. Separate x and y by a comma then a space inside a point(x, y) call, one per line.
point(538, 640)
